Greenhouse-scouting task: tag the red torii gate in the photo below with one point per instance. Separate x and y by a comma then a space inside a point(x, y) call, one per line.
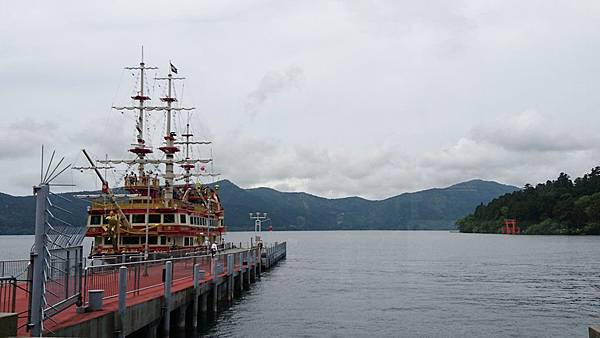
point(510, 227)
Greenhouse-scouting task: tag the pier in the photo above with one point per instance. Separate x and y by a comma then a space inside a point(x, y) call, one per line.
point(150, 298)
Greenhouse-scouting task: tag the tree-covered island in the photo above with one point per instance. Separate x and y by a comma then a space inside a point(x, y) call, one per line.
point(559, 207)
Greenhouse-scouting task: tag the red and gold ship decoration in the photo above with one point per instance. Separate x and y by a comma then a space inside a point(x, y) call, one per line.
point(154, 214)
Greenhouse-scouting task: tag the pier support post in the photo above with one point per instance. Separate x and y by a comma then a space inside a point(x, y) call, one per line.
point(231, 287)
point(196, 294)
point(258, 269)
point(167, 297)
point(152, 330)
point(231, 277)
point(203, 308)
point(240, 278)
point(252, 268)
point(259, 264)
point(215, 298)
point(121, 320)
point(246, 279)
point(181, 317)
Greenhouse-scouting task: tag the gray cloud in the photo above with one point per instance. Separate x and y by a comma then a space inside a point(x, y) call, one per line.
point(401, 95)
point(23, 138)
point(483, 152)
point(529, 132)
point(271, 84)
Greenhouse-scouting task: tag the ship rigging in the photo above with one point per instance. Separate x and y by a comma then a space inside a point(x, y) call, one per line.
point(155, 212)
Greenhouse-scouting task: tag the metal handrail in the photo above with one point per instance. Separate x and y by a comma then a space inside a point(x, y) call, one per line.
point(142, 275)
point(8, 294)
point(13, 267)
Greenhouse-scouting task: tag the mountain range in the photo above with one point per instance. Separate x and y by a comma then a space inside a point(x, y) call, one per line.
point(432, 209)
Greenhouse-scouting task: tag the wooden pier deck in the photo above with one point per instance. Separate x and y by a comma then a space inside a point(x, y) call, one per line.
point(220, 280)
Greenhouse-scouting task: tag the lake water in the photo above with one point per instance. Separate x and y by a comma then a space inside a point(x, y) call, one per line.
point(414, 283)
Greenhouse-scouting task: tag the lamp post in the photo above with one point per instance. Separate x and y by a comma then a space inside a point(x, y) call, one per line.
point(258, 219)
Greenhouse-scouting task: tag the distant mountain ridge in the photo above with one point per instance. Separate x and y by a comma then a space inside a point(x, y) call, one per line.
point(432, 209)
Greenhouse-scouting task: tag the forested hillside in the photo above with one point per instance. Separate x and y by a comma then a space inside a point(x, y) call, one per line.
point(561, 206)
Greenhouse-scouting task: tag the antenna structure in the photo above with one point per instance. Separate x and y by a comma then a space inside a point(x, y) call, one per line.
point(56, 253)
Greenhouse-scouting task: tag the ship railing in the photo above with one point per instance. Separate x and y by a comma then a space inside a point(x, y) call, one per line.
point(134, 205)
point(147, 274)
point(135, 257)
point(141, 182)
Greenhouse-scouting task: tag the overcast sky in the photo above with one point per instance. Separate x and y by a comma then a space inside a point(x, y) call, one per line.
point(335, 98)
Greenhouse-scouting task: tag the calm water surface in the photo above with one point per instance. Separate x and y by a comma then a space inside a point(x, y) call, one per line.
point(414, 283)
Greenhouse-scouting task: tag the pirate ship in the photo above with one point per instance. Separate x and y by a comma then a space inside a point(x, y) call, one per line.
point(154, 211)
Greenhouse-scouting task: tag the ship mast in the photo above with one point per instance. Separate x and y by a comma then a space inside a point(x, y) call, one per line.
point(169, 148)
point(140, 148)
point(188, 165)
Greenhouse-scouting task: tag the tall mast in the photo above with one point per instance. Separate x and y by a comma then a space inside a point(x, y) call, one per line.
point(169, 148)
point(188, 163)
point(187, 166)
point(139, 148)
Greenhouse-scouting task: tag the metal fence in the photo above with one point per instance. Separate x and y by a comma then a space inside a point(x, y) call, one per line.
point(140, 275)
point(137, 257)
point(14, 277)
point(14, 268)
point(8, 294)
point(143, 275)
point(63, 278)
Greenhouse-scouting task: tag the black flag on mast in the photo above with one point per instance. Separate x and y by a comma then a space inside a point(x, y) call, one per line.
point(173, 69)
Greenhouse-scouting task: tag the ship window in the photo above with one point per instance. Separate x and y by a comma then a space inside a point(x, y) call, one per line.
point(163, 240)
point(152, 240)
point(138, 218)
point(95, 219)
point(107, 240)
point(168, 218)
point(131, 240)
point(154, 218)
point(182, 218)
point(186, 241)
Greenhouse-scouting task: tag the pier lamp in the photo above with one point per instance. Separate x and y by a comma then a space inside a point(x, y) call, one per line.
point(258, 219)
